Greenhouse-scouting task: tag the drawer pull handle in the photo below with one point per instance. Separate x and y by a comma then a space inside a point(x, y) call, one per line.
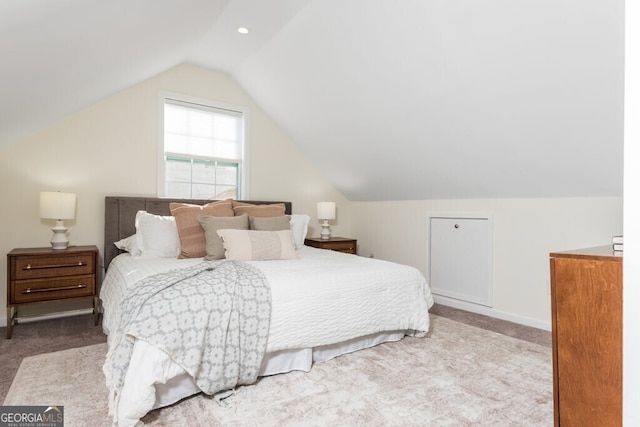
point(61, 288)
point(41, 267)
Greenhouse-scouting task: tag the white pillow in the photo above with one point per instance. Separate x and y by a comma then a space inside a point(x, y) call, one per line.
point(157, 236)
point(299, 224)
point(255, 245)
point(129, 244)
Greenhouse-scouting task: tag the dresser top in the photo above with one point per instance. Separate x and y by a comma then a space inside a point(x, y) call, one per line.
point(51, 251)
point(598, 252)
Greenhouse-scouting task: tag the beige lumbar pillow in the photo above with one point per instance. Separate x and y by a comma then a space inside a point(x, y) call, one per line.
point(253, 245)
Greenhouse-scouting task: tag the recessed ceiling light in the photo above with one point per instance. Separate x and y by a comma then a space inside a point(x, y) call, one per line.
point(243, 30)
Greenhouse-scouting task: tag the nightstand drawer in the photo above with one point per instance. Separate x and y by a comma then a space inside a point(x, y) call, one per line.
point(47, 266)
point(48, 289)
point(348, 247)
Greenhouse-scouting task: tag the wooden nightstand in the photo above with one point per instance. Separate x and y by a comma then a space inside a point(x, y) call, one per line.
point(41, 275)
point(340, 244)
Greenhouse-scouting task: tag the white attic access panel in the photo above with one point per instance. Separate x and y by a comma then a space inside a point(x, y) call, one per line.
point(461, 257)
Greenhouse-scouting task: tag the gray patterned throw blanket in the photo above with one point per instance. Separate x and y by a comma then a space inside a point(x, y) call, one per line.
point(212, 319)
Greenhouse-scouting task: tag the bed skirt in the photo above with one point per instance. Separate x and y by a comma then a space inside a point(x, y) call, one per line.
point(278, 362)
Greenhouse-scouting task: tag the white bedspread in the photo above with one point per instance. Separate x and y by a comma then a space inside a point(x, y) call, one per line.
point(322, 298)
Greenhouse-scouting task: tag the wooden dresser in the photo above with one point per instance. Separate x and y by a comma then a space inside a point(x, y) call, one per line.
point(586, 307)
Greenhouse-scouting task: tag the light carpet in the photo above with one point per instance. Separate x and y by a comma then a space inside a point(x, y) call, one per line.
point(459, 375)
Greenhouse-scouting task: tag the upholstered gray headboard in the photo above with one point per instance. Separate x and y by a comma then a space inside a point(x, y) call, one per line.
point(120, 215)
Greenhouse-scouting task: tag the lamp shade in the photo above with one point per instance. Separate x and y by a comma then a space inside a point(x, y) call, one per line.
point(326, 210)
point(56, 205)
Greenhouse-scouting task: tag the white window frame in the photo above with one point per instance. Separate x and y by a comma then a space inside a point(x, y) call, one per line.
point(243, 188)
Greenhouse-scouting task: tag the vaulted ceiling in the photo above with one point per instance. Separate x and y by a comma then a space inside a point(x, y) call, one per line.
point(391, 99)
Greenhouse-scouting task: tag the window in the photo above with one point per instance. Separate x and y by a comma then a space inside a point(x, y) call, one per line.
point(202, 150)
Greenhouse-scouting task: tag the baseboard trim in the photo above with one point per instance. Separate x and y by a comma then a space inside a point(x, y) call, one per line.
point(491, 312)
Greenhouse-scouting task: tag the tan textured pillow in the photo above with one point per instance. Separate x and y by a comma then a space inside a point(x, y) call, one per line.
point(235, 203)
point(271, 223)
point(192, 241)
point(274, 209)
point(253, 245)
point(211, 224)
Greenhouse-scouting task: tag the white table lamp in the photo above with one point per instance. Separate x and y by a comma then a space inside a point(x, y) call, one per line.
point(58, 206)
point(326, 211)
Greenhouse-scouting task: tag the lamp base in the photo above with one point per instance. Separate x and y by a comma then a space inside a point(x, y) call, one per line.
point(59, 239)
point(325, 234)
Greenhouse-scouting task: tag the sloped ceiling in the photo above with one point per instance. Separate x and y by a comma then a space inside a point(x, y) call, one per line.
point(391, 99)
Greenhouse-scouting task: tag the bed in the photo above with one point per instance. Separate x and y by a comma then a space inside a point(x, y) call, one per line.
point(322, 304)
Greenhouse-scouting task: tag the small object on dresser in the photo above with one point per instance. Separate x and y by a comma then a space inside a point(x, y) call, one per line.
point(617, 243)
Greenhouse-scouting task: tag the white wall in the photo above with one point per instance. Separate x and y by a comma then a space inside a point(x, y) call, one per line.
point(525, 232)
point(111, 147)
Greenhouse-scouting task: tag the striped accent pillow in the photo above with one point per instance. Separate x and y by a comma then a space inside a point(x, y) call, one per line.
point(191, 233)
point(267, 210)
